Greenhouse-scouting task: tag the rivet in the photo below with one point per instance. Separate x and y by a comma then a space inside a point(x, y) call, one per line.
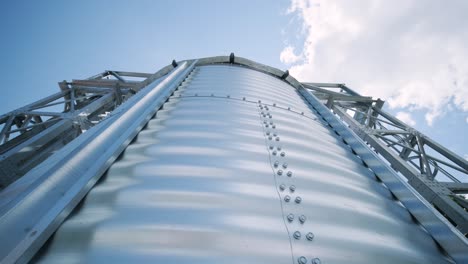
point(266, 107)
point(269, 136)
point(266, 125)
point(283, 154)
point(289, 173)
point(270, 116)
point(310, 236)
point(265, 122)
point(289, 108)
point(276, 164)
point(277, 139)
point(271, 147)
point(282, 187)
point(287, 198)
point(297, 235)
point(302, 260)
point(290, 217)
point(298, 200)
point(274, 153)
point(302, 113)
point(274, 104)
point(278, 148)
point(268, 133)
point(280, 172)
point(263, 115)
point(316, 261)
point(271, 123)
point(292, 188)
point(302, 219)
point(243, 98)
point(273, 126)
point(274, 134)
point(259, 101)
point(285, 165)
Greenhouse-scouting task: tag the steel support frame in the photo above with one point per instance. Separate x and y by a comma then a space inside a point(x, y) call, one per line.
point(368, 113)
point(33, 207)
point(32, 133)
point(437, 225)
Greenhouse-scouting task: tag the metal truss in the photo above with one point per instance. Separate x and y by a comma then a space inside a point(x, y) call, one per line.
point(435, 172)
point(31, 134)
point(54, 150)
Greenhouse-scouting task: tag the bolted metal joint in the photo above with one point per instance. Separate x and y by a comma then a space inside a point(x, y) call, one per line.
point(298, 200)
point(290, 217)
point(292, 188)
point(316, 261)
point(297, 235)
point(302, 260)
point(302, 219)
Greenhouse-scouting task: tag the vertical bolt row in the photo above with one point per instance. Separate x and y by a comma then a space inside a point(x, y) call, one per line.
point(284, 179)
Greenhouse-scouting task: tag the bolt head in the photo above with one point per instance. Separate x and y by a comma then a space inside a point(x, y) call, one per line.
point(302, 113)
point(270, 137)
point(243, 98)
point(292, 188)
point(289, 108)
point(297, 235)
point(302, 260)
point(280, 172)
point(290, 217)
point(274, 152)
point(282, 187)
point(316, 261)
point(310, 236)
point(302, 219)
point(277, 139)
point(274, 104)
point(271, 147)
point(285, 165)
point(283, 154)
point(287, 198)
point(276, 164)
point(278, 148)
point(212, 94)
point(273, 126)
point(298, 199)
point(289, 173)
point(274, 134)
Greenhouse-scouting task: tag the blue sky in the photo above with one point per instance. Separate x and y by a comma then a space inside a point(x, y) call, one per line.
point(404, 51)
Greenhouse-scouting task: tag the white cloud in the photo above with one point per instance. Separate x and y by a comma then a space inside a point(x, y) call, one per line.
point(406, 118)
point(413, 54)
point(288, 56)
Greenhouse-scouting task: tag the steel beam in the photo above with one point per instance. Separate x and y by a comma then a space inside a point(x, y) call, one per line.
point(450, 238)
point(56, 187)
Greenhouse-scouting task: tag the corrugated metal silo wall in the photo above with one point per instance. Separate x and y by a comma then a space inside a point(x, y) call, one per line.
point(203, 183)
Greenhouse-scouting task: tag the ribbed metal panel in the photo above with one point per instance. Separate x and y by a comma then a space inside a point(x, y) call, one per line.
point(203, 183)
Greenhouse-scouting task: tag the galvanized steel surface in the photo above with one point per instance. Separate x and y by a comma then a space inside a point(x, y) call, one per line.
point(208, 181)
